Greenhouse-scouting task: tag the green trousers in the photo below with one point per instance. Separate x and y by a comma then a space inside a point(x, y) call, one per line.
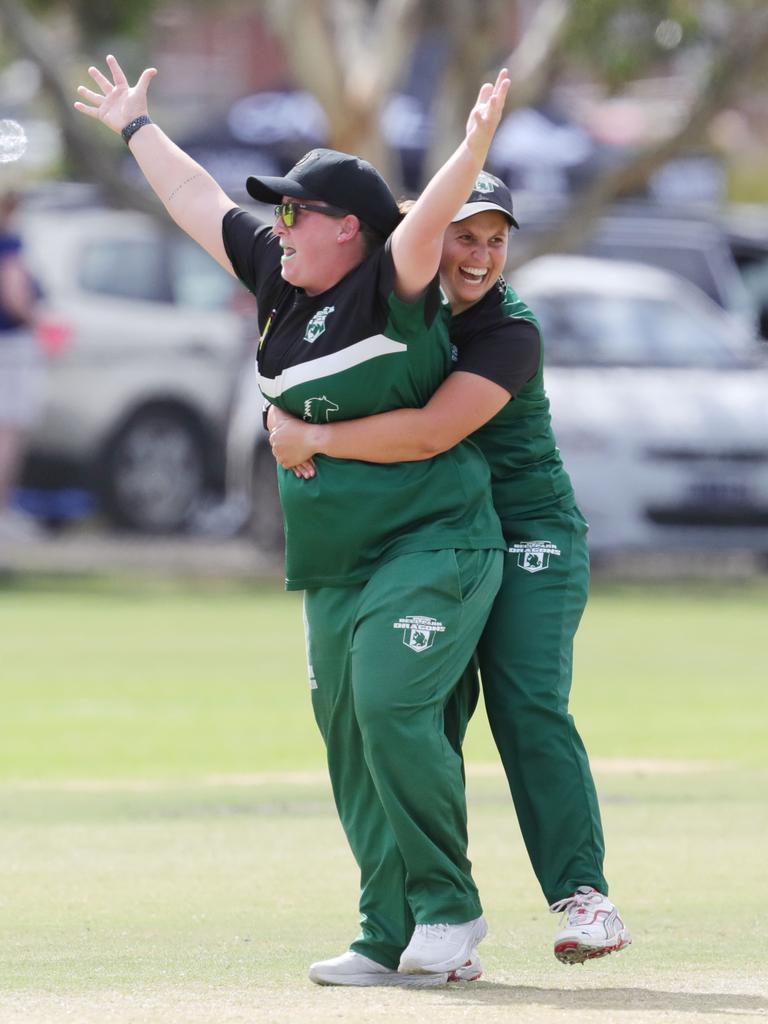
point(383, 660)
point(526, 656)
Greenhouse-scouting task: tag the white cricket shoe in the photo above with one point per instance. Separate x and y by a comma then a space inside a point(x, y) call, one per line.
point(435, 948)
point(594, 927)
point(355, 969)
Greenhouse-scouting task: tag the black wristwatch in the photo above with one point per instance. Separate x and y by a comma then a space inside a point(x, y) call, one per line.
point(133, 126)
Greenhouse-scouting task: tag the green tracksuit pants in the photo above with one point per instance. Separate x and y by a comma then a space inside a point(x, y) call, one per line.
point(384, 658)
point(525, 656)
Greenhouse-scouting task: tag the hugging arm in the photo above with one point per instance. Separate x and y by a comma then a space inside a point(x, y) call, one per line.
point(462, 404)
point(191, 196)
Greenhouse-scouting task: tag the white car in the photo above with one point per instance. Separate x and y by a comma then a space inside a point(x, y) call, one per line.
point(145, 340)
point(659, 405)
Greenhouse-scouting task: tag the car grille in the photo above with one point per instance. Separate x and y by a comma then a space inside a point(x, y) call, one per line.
point(739, 455)
point(701, 515)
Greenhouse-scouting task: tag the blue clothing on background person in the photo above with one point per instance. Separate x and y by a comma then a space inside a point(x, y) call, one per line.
point(21, 371)
point(10, 245)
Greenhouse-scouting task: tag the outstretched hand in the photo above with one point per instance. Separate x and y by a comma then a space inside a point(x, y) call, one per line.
point(486, 114)
point(118, 103)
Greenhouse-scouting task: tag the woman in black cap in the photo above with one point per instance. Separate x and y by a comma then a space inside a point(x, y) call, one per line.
point(496, 395)
point(399, 563)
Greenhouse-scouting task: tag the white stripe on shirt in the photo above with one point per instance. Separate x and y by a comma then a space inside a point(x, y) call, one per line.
point(327, 366)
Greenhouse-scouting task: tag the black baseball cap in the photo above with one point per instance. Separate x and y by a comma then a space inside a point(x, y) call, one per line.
point(339, 179)
point(489, 193)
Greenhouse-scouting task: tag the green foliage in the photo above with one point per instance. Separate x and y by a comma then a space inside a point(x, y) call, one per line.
point(617, 40)
point(98, 21)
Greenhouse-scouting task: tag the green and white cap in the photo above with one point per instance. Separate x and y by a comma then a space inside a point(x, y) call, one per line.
point(489, 193)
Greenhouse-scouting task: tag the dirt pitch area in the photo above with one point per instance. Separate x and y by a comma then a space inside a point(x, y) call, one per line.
point(638, 998)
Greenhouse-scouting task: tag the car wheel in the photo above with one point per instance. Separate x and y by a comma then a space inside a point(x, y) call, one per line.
point(266, 521)
point(154, 472)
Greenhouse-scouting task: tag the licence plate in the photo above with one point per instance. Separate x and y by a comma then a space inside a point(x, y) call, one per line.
point(721, 494)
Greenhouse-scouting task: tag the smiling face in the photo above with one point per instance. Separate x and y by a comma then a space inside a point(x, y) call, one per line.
point(474, 254)
point(318, 250)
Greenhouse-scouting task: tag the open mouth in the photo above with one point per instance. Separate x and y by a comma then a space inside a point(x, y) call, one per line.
point(473, 275)
point(287, 255)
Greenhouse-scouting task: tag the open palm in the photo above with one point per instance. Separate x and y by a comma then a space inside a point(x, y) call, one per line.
point(485, 115)
point(118, 103)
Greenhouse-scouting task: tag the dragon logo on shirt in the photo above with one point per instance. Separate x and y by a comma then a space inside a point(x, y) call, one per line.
point(316, 325)
point(315, 407)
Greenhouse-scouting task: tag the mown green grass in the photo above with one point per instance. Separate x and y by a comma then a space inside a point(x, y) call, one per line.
point(117, 680)
point(142, 880)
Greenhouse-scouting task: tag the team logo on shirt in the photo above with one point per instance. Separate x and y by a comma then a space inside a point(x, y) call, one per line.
point(315, 407)
point(534, 555)
point(316, 325)
point(484, 183)
point(419, 631)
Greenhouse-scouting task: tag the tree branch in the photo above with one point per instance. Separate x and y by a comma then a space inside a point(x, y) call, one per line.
point(741, 55)
point(532, 61)
point(93, 160)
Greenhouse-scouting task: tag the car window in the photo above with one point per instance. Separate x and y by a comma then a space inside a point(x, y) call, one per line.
point(198, 280)
point(124, 268)
point(690, 264)
point(595, 330)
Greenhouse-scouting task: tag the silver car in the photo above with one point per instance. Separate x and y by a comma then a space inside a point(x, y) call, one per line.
point(659, 404)
point(145, 341)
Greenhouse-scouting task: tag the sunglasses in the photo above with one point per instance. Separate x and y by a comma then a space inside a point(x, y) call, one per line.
point(288, 212)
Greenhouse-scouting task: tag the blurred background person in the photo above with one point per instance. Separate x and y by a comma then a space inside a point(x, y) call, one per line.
point(21, 367)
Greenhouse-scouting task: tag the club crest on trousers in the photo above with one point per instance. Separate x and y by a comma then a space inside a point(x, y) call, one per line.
point(419, 631)
point(534, 555)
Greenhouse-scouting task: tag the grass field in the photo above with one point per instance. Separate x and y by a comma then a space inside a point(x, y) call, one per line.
point(170, 852)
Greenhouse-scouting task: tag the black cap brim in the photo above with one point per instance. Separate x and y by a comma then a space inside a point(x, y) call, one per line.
point(272, 190)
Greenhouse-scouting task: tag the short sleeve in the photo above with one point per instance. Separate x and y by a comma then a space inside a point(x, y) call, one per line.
point(407, 316)
point(509, 354)
point(253, 251)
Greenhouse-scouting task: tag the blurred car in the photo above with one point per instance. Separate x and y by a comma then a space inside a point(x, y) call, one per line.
point(145, 340)
point(658, 404)
point(251, 483)
point(747, 229)
point(691, 244)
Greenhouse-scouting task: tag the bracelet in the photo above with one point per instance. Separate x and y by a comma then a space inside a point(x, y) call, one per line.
point(133, 126)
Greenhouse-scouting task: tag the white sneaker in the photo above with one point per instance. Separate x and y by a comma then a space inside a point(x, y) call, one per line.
point(594, 927)
point(355, 969)
point(442, 947)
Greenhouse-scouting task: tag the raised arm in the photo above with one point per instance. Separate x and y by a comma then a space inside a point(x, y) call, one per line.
point(462, 404)
point(190, 195)
point(417, 241)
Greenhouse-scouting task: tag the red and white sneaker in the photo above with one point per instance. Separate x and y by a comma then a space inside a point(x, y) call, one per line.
point(594, 927)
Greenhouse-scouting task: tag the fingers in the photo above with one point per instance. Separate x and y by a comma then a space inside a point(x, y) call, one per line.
point(144, 79)
point(501, 78)
point(118, 74)
point(101, 80)
point(90, 95)
point(90, 111)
